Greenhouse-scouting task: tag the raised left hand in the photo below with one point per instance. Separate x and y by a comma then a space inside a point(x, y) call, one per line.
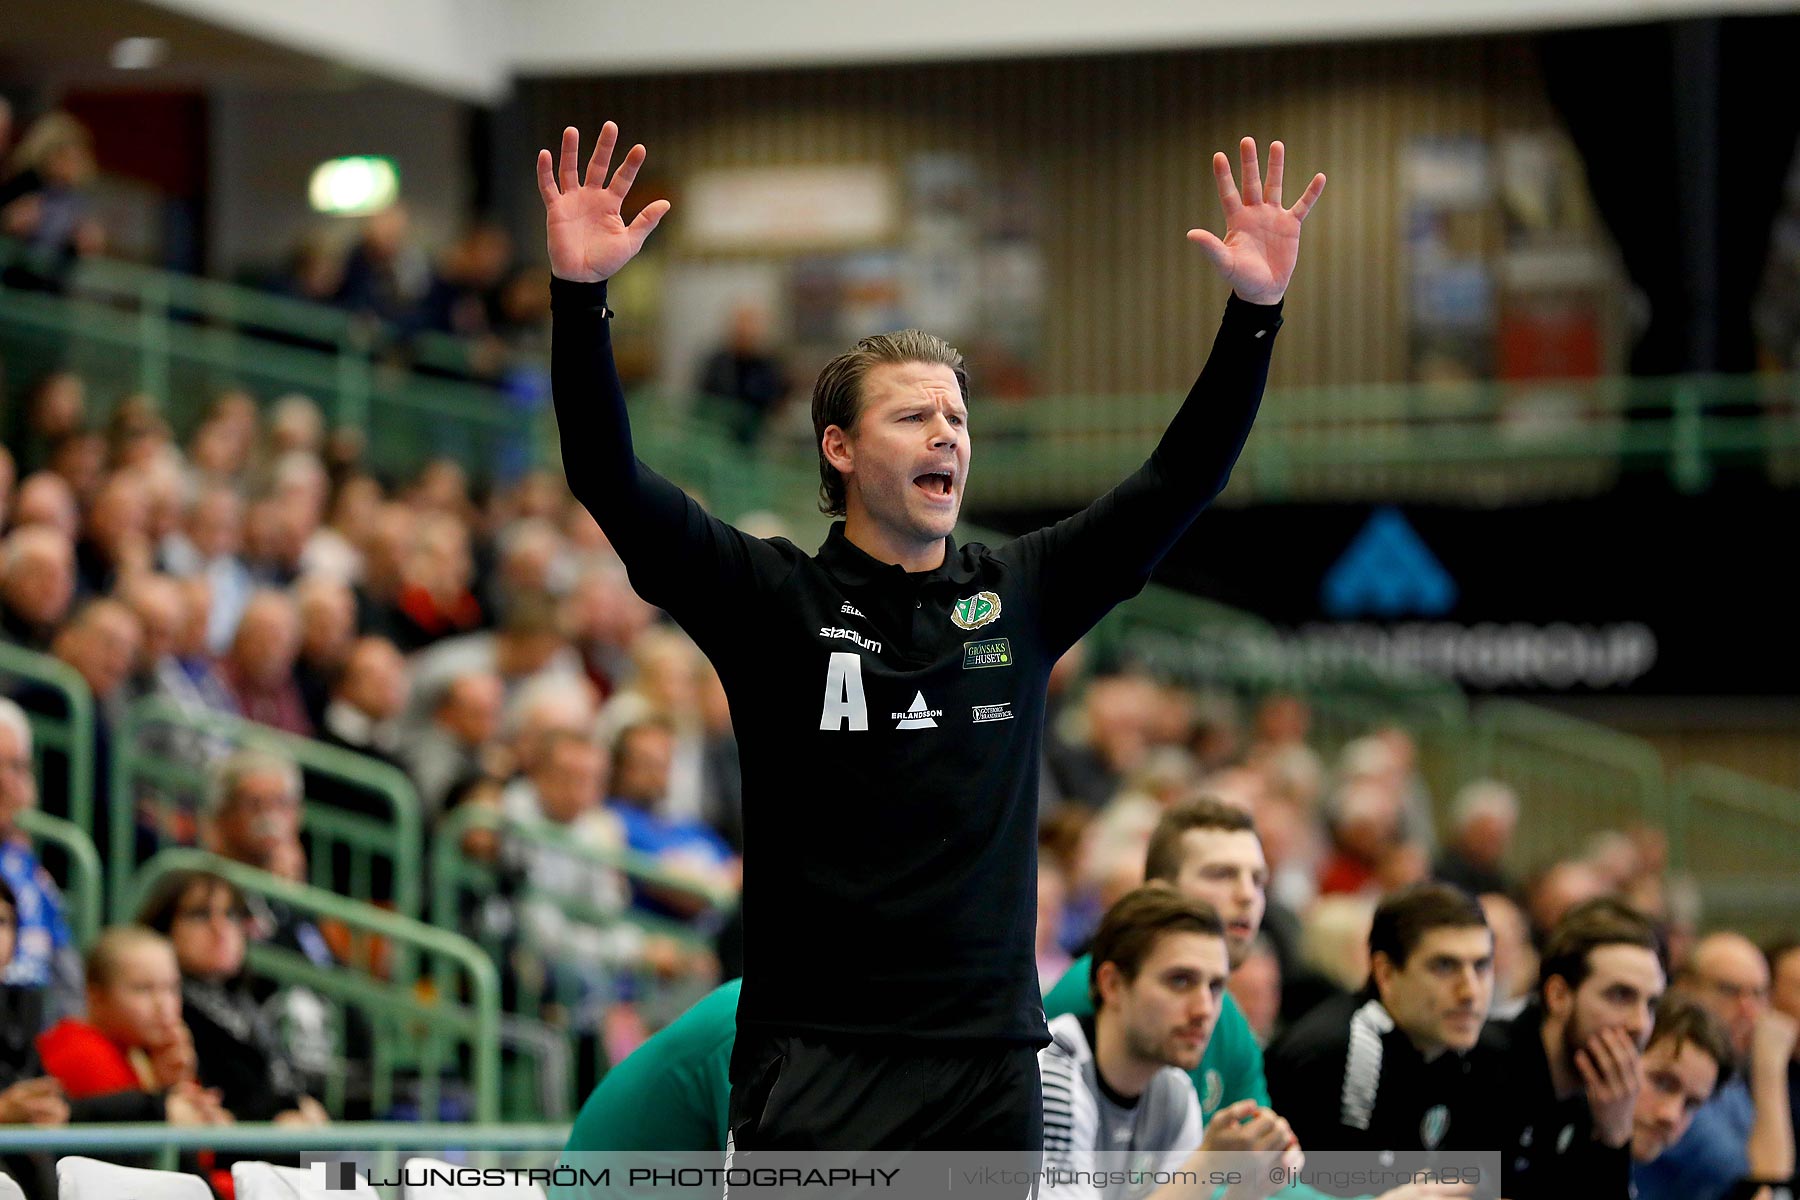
point(1262, 239)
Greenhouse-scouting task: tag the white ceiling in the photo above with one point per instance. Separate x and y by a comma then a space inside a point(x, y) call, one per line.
point(474, 49)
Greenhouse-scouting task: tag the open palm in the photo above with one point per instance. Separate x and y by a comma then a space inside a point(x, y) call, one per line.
point(583, 220)
point(1262, 239)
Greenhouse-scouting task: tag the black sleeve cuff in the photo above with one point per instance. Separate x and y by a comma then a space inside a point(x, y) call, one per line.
point(1256, 319)
point(567, 295)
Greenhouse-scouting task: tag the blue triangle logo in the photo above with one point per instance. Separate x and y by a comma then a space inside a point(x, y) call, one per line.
point(1388, 571)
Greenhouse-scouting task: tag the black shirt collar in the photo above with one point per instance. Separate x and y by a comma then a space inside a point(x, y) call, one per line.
point(854, 567)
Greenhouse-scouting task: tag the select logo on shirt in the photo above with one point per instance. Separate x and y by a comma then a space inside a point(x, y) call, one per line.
point(987, 714)
point(919, 716)
point(995, 652)
point(983, 608)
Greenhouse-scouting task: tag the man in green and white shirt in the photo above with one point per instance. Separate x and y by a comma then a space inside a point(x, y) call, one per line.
point(1209, 851)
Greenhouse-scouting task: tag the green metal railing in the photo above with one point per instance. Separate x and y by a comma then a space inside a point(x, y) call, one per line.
point(457, 879)
point(1575, 778)
point(70, 735)
point(415, 1029)
point(1737, 837)
point(183, 340)
point(143, 771)
point(84, 890)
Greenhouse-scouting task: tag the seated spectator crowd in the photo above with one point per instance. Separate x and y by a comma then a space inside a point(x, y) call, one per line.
point(487, 645)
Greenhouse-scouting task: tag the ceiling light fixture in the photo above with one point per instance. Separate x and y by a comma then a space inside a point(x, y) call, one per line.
point(139, 53)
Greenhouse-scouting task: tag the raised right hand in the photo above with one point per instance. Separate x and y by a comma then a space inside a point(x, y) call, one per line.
point(587, 234)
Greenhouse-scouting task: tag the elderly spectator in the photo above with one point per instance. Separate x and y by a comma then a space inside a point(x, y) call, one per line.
point(384, 543)
point(1365, 833)
point(253, 811)
point(276, 529)
point(643, 757)
point(464, 723)
point(116, 539)
point(172, 660)
point(528, 645)
point(1557, 889)
point(236, 1050)
point(296, 425)
point(564, 790)
point(670, 673)
point(1119, 712)
point(101, 642)
point(37, 584)
point(386, 273)
point(367, 700)
point(163, 608)
point(42, 952)
point(1256, 986)
point(260, 668)
point(434, 601)
point(208, 545)
point(334, 548)
point(1482, 822)
point(363, 717)
point(1515, 961)
point(530, 557)
point(327, 609)
point(80, 459)
point(604, 618)
point(1745, 1131)
point(253, 817)
point(45, 498)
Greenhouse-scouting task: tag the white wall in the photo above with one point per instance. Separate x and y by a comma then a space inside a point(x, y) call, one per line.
point(265, 144)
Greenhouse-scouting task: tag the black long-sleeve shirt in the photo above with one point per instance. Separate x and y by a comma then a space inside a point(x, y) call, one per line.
point(1549, 1144)
point(889, 723)
point(1346, 1077)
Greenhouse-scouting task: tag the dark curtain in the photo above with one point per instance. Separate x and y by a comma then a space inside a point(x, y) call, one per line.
point(1687, 130)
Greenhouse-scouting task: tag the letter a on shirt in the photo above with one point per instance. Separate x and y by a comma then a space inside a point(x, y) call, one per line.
point(844, 694)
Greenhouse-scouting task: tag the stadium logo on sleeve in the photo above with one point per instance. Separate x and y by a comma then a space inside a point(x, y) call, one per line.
point(983, 608)
point(995, 652)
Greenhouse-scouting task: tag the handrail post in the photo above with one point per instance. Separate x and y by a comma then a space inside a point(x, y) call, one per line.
point(1687, 449)
point(153, 338)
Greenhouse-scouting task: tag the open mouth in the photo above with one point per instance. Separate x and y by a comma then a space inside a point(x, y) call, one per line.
point(936, 484)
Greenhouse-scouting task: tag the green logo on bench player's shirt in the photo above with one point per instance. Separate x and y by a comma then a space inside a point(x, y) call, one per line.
point(980, 609)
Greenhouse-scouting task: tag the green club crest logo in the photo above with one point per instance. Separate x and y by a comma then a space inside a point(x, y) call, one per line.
point(982, 608)
point(1215, 1091)
point(1434, 1126)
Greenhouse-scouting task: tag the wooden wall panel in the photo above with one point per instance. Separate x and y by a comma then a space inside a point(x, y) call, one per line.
point(1121, 146)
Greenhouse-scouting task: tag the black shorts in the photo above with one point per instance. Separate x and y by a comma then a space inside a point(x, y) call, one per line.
point(802, 1092)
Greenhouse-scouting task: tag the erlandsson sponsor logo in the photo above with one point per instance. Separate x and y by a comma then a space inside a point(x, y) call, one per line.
point(919, 716)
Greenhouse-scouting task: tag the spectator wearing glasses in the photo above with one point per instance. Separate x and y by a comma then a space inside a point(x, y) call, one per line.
point(236, 1049)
